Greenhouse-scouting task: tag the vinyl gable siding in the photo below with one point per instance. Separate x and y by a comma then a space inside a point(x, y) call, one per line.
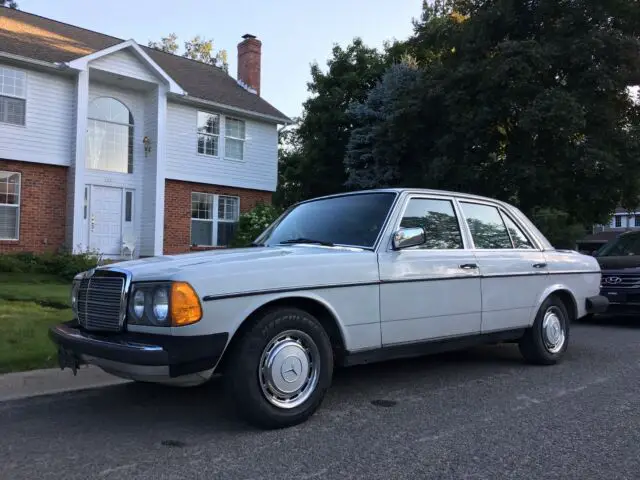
point(48, 133)
point(125, 63)
point(258, 170)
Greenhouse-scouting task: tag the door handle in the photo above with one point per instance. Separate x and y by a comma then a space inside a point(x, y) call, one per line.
point(539, 265)
point(468, 266)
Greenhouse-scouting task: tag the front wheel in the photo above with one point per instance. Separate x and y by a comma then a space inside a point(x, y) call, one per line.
point(546, 342)
point(281, 369)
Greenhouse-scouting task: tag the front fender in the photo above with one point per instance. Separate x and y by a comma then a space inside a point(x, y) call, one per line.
point(258, 302)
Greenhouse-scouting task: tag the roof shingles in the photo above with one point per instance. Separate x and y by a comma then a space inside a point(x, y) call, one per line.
point(51, 41)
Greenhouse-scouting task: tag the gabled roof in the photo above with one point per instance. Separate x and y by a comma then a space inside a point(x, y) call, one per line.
point(47, 40)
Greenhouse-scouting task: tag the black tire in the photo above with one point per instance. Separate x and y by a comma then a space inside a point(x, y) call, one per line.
point(242, 375)
point(532, 344)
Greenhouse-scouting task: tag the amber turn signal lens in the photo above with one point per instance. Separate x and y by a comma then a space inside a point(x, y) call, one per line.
point(185, 305)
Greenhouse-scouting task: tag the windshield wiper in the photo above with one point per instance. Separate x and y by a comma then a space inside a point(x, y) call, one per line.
point(306, 240)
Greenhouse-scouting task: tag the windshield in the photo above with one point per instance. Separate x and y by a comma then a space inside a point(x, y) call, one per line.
point(354, 220)
point(621, 246)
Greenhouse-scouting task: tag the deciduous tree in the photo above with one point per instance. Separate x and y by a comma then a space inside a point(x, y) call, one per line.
point(196, 48)
point(523, 101)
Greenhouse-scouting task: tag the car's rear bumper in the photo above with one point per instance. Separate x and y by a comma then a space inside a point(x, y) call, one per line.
point(138, 356)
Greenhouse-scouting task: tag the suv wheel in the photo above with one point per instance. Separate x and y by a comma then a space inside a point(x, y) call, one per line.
point(281, 368)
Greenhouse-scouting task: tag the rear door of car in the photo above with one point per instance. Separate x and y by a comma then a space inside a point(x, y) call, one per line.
point(513, 270)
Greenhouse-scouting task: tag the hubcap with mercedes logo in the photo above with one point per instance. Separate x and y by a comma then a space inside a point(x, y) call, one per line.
point(289, 369)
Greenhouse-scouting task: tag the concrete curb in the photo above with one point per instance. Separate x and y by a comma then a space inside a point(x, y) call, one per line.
point(34, 383)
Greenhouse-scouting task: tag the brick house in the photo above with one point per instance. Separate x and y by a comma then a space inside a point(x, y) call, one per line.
point(110, 146)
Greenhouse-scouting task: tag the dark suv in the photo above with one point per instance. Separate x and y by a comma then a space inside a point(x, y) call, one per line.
point(619, 261)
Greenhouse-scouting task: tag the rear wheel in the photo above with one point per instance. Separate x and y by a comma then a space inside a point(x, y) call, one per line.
point(546, 342)
point(281, 368)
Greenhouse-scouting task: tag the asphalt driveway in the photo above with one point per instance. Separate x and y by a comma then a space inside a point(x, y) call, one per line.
point(477, 414)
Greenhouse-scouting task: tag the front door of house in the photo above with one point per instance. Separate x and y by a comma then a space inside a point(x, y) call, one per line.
point(105, 220)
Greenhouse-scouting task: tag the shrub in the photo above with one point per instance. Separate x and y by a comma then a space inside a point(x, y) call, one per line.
point(62, 264)
point(252, 223)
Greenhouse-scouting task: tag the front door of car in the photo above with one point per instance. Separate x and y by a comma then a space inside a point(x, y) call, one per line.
point(433, 290)
point(513, 270)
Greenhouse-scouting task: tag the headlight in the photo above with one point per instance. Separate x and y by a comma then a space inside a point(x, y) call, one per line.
point(138, 304)
point(163, 304)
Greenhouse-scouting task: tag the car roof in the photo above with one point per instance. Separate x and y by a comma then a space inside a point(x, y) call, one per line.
point(420, 191)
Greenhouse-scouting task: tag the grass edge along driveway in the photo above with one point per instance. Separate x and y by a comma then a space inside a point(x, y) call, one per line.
point(29, 304)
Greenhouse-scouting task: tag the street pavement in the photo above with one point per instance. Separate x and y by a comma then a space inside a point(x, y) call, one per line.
point(480, 414)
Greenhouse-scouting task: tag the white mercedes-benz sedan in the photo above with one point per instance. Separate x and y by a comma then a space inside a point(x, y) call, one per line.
point(335, 281)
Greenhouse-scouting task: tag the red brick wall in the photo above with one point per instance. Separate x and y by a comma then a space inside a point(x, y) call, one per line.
point(43, 199)
point(177, 209)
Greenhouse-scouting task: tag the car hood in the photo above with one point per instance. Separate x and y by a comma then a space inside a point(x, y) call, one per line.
point(628, 263)
point(231, 270)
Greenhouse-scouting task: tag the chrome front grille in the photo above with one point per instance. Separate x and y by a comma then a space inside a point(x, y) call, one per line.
point(100, 302)
point(621, 281)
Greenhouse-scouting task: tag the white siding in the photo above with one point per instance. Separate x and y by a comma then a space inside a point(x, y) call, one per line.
point(48, 134)
point(148, 203)
point(258, 170)
point(125, 63)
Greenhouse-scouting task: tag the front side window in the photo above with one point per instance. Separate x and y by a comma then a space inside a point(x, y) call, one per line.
point(13, 89)
point(439, 221)
point(352, 220)
point(9, 205)
point(214, 219)
point(110, 136)
point(486, 225)
point(234, 136)
point(208, 133)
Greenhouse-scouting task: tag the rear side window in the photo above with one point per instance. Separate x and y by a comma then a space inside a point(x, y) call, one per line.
point(486, 225)
point(438, 218)
point(518, 237)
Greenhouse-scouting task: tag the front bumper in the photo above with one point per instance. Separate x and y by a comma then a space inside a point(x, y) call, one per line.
point(138, 356)
point(622, 301)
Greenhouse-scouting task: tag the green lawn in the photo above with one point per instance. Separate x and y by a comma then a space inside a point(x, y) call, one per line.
point(29, 304)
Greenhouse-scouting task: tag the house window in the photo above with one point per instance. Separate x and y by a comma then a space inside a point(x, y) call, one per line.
point(234, 135)
point(214, 219)
point(618, 221)
point(86, 201)
point(128, 206)
point(13, 104)
point(208, 133)
point(9, 205)
point(110, 136)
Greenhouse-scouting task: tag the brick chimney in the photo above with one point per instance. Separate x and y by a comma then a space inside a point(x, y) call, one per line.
point(249, 57)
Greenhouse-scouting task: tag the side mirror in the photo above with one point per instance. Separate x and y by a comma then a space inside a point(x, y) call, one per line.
point(409, 237)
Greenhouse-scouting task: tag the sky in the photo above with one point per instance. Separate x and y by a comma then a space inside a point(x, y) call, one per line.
point(294, 33)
